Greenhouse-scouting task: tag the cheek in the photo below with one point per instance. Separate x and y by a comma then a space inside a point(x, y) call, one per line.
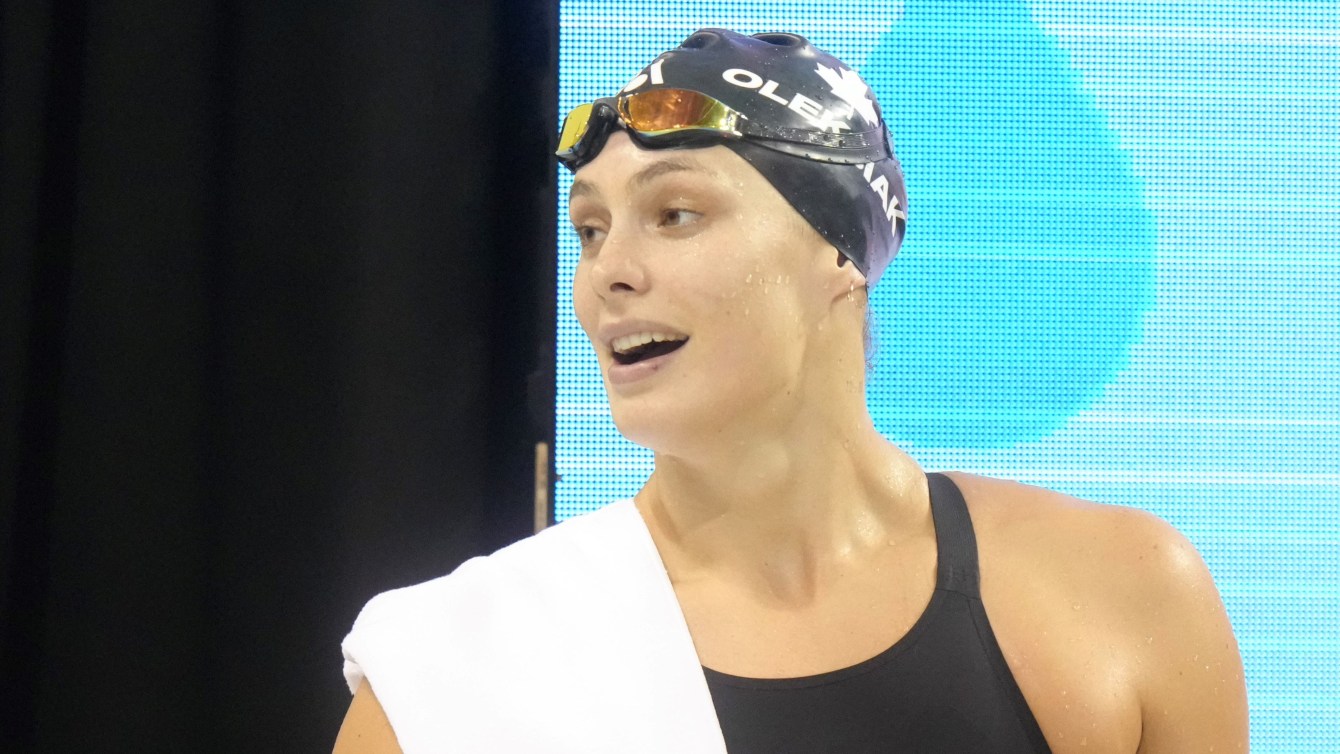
point(755, 326)
point(766, 299)
point(584, 302)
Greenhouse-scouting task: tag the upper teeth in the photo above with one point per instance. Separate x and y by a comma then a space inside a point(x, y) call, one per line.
point(629, 342)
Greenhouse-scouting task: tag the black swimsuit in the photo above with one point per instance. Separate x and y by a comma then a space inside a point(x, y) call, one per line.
point(944, 687)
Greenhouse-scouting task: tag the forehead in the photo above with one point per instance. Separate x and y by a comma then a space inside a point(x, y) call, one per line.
point(622, 167)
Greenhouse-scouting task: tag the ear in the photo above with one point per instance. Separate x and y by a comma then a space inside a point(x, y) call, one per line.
point(842, 278)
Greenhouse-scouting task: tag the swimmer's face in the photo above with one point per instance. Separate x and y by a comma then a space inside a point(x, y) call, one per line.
point(695, 250)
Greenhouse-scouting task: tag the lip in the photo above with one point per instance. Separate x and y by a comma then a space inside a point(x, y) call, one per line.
point(624, 374)
point(607, 333)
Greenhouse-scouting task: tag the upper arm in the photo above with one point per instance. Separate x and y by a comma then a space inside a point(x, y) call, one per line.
point(1154, 621)
point(1192, 692)
point(366, 729)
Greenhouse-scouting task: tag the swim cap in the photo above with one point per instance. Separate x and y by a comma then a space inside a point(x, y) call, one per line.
point(808, 115)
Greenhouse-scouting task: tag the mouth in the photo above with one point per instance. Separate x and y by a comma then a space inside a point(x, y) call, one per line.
point(638, 347)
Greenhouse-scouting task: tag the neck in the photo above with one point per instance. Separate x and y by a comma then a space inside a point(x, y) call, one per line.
point(787, 511)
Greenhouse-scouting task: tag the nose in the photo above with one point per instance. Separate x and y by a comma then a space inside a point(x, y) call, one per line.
point(618, 267)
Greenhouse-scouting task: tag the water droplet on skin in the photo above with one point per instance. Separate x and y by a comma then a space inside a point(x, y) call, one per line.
point(1076, 606)
point(749, 278)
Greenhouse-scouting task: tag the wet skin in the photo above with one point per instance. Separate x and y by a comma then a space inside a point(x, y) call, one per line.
point(799, 540)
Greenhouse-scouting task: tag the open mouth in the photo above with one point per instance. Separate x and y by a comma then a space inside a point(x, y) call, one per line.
point(631, 349)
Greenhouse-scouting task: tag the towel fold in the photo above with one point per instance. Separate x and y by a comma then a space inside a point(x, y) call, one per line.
point(568, 641)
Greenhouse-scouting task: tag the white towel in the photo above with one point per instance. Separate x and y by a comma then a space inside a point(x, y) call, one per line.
point(568, 641)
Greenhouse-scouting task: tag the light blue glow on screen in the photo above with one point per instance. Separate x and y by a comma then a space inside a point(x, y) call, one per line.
point(1121, 279)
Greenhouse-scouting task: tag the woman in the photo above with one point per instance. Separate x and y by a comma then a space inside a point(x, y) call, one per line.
point(787, 579)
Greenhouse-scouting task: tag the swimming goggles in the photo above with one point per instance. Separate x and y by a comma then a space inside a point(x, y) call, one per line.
point(668, 118)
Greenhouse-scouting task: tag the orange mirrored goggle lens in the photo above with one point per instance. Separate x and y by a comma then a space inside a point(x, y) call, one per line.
point(654, 113)
point(665, 110)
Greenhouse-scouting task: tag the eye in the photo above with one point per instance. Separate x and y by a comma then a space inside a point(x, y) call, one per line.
point(678, 217)
point(587, 234)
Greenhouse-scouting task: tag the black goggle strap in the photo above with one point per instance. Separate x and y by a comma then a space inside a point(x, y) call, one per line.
point(849, 148)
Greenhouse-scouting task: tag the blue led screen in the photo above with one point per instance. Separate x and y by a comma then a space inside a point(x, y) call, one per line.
point(1121, 278)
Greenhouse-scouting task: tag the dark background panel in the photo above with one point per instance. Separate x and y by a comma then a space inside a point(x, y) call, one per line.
point(275, 313)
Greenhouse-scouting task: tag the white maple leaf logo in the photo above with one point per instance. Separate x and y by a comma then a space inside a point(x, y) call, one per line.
point(849, 86)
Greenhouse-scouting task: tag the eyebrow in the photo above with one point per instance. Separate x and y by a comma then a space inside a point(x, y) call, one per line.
point(642, 177)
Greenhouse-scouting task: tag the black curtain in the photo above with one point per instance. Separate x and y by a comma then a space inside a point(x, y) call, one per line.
point(275, 335)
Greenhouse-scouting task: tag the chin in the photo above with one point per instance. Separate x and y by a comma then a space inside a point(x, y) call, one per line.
point(652, 429)
point(661, 425)
point(682, 411)
point(680, 428)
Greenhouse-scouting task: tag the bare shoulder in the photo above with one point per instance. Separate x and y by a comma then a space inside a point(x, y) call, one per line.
point(366, 729)
point(1130, 566)
point(1051, 528)
point(1115, 590)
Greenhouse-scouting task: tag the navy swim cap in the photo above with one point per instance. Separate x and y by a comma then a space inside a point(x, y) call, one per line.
point(809, 104)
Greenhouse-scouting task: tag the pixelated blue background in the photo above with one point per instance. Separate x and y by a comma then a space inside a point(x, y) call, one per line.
point(1121, 279)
